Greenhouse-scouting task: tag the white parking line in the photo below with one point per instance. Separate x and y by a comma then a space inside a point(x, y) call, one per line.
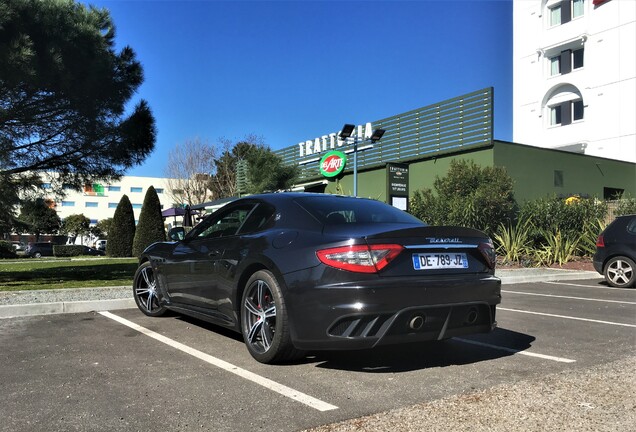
point(516, 351)
point(590, 286)
point(267, 383)
point(568, 297)
point(567, 317)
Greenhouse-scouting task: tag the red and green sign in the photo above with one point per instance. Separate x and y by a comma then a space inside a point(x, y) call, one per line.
point(332, 163)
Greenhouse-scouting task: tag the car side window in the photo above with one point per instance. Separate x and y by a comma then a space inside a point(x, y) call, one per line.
point(260, 218)
point(225, 224)
point(631, 226)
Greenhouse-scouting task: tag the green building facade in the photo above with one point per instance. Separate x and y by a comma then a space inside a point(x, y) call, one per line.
point(423, 143)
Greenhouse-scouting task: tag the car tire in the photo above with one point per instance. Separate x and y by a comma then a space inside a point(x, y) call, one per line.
point(620, 272)
point(37, 255)
point(145, 291)
point(264, 320)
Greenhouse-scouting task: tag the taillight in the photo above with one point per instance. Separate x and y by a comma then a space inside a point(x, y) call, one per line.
point(600, 241)
point(360, 258)
point(488, 251)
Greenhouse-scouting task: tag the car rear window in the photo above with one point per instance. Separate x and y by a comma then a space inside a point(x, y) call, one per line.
point(333, 210)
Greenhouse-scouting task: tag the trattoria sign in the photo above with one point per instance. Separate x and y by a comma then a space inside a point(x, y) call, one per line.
point(332, 163)
point(332, 141)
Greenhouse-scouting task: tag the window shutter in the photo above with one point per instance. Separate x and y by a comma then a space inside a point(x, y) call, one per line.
point(566, 113)
point(566, 61)
point(566, 11)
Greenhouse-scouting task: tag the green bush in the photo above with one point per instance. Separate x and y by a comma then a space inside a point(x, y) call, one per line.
point(122, 230)
point(568, 218)
point(626, 206)
point(67, 250)
point(6, 249)
point(150, 227)
point(469, 195)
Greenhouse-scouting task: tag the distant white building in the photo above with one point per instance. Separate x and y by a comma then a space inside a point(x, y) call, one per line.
point(99, 201)
point(574, 72)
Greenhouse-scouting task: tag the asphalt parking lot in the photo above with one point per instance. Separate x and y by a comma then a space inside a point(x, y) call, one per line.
point(120, 370)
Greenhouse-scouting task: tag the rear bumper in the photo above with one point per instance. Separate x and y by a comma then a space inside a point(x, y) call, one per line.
point(379, 311)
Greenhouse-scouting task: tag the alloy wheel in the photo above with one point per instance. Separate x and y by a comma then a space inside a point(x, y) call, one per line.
point(145, 291)
point(260, 316)
point(620, 272)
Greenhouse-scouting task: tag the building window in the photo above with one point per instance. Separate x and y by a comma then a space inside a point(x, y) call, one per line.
point(114, 188)
point(563, 105)
point(566, 112)
point(564, 11)
point(610, 193)
point(159, 190)
point(577, 59)
point(68, 203)
point(566, 61)
point(90, 204)
point(558, 178)
point(555, 15)
point(136, 189)
point(136, 206)
point(555, 65)
point(578, 8)
point(577, 110)
point(112, 205)
point(555, 115)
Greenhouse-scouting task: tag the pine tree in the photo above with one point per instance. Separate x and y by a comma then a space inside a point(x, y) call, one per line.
point(122, 231)
point(150, 227)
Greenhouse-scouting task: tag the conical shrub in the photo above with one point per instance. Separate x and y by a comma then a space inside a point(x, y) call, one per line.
point(122, 230)
point(150, 227)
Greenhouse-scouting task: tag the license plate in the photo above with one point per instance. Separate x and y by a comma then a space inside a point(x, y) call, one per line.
point(432, 261)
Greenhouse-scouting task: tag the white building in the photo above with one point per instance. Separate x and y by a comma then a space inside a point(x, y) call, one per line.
point(99, 201)
point(574, 72)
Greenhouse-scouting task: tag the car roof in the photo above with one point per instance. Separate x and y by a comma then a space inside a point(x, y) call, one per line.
point(274, 197)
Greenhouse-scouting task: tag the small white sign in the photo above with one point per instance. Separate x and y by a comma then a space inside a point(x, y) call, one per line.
point(399, 202)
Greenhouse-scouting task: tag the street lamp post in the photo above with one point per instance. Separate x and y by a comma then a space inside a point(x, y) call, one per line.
point(347, 131)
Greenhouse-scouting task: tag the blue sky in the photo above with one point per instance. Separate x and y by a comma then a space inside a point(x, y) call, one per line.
point(294, 70)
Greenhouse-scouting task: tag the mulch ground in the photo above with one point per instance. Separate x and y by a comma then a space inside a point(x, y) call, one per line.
point(577, 263)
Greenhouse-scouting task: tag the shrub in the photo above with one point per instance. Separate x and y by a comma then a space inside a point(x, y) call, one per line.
point(626, 206)
point(150, 227)
point(122, 230)
point(587, 244)
point(67, 250)
point(554, 215)
point(556, 249)
point(469, 195)
point(513, 242)
point(6, 250)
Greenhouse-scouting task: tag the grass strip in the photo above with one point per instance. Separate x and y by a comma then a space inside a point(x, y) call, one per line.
point(58, 274)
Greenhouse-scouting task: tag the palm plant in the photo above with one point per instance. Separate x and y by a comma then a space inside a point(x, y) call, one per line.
point(513, 242)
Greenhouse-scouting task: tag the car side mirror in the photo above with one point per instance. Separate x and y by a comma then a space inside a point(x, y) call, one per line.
point(176, 234)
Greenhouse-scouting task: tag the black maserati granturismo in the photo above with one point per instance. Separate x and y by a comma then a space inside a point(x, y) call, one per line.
point(297, 271)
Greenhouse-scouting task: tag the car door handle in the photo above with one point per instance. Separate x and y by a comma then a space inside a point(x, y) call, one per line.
point(214, 253)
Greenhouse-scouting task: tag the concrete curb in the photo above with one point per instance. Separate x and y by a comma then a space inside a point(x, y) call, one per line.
point(30, 309)
point(509, 277)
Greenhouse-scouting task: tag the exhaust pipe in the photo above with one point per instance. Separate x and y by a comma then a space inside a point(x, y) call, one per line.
point(471, 317)
point(417, 322)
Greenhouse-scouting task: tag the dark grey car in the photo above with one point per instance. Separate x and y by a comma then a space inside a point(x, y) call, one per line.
point(37, 250)
point(616, 252)
point(297, 271)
